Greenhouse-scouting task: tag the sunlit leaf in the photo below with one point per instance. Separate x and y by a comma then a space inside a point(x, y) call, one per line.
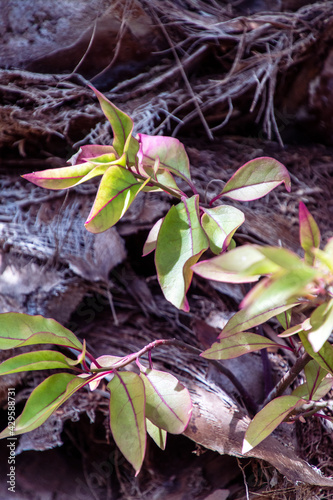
point(242, 321)
point(168, 402)
point(236, 345)
point(17, 329)
point(231, 266)
point(283, 257)
point(324, 356)
point(255, 179)
point(89, 151)
point(309, 233)
point(170, 151)
point(43, 401)
point(157, 434)
point(282, 289)
point(127, 416)
point(181, 241)
point(60, 178)
point(220, 223)
point(321, 321)
point(150, 244)
point(122, 125)
point(326, 255)
point(35, 360)
point(292, 330)
point(264, 423)
point(117, 191)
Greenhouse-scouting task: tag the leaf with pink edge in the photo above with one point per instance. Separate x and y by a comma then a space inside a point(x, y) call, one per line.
point(236, 345)
point(256, 179)
point(220, 224)
point(170, 151)
point(264, 423)
point(127, 416)
point(91, 151)
point(242, 320)
point(318, 382)
point(168, 402)
point(122, 127)
point(231, 267)
point(44, 400)
point(180, 243)
point(324, 356)
point(309, 233)
point(18, 329)
point(35, 360)
point(60, 178)
point(117, 191)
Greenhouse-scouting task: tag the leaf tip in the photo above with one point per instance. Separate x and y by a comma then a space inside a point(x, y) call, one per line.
point(246, 447)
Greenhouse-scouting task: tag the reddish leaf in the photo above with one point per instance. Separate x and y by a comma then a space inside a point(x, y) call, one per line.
point(309, 233)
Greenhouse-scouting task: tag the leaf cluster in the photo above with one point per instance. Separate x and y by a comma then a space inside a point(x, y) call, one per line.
point(147, 400)
point(142, 401)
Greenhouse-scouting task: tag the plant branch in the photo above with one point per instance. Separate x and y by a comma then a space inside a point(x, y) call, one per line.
point(288, 378)
point(126, 360)
point(157, 184)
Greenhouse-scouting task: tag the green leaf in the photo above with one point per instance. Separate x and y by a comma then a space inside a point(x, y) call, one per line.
point(321, 322)
point(43, 401)
point(157, 434)
point(314, 374)
point(284, 318)
point(122, 126)
point(309, 233)
point(170, 152)
point(236, 345)
point(325, 256)
point(264, 423)
point(127, 416)
point(117, 191)
point(324, 356)
point(231, 267)
point(168, 402)
point(283, 258)
point(322, 389)
point(181, 241)
point(281, 289)
point(36, 360)
point(318, 382)
point(220, 223)
point(255, 179)
point(292, 330)
point(17, 330)
point(160, 175)
point(60, 178)
point(242, 321)
point(150, 244)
